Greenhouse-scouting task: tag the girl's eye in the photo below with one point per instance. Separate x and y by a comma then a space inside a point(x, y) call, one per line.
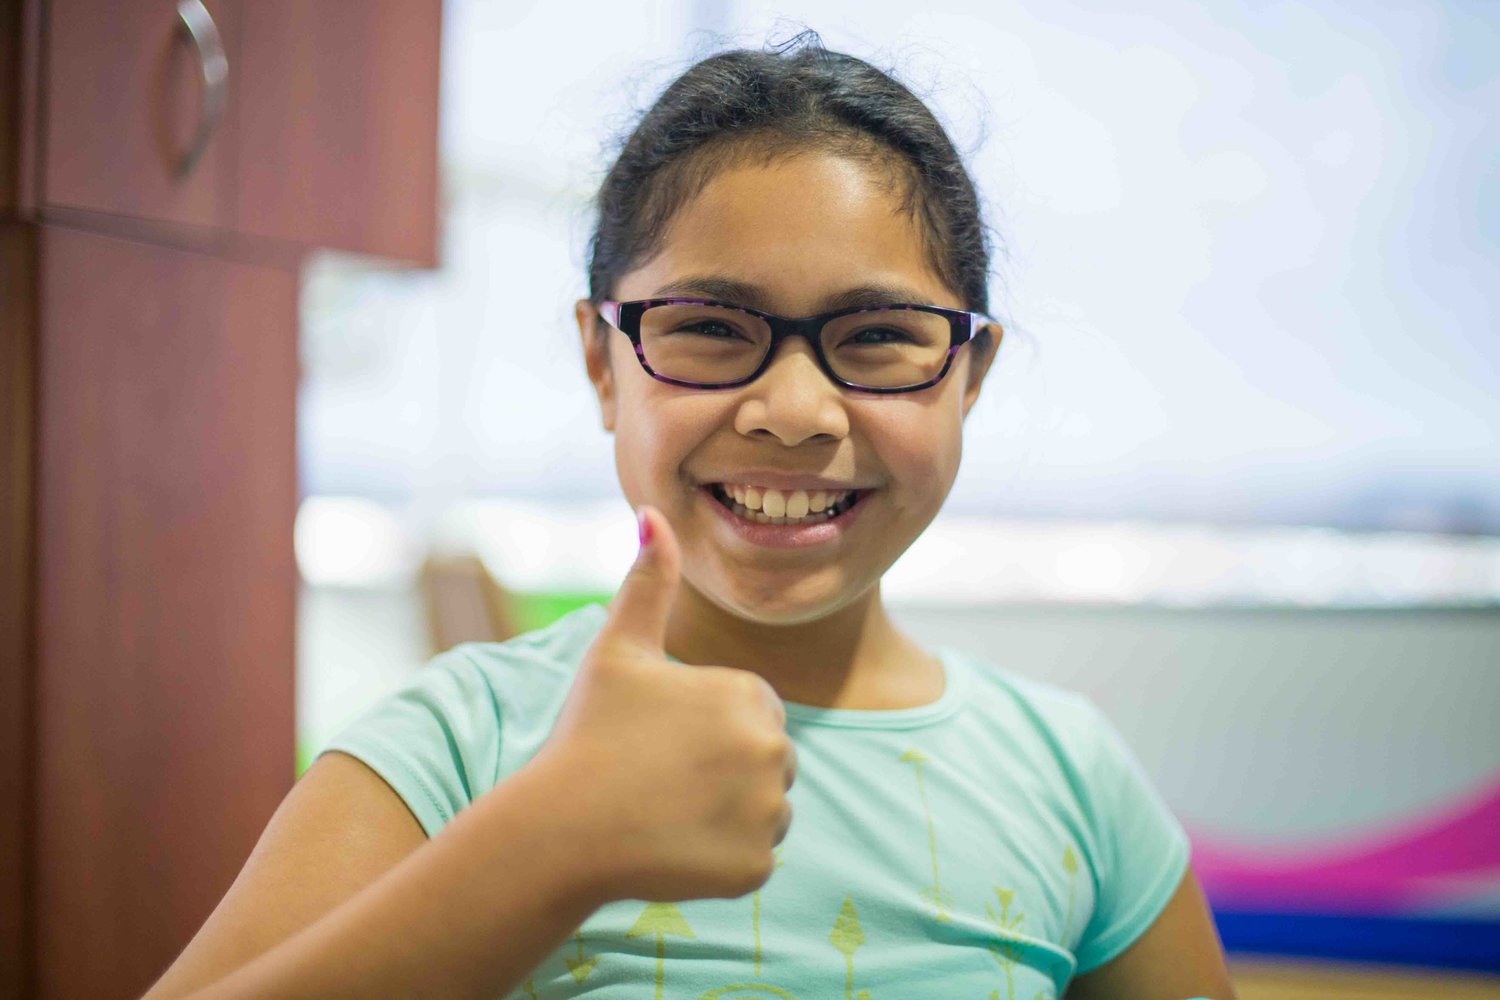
point(709, 328)
point(879, 335)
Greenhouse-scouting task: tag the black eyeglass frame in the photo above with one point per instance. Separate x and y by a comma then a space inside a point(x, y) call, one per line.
point(963, 324)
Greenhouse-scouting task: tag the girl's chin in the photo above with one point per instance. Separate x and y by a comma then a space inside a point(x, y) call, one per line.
point(778, 601)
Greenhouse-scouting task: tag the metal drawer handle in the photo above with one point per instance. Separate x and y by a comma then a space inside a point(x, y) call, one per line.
point(214, 66)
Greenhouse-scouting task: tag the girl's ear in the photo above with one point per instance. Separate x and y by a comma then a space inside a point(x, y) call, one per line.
point(979, 365)
point(596, 358)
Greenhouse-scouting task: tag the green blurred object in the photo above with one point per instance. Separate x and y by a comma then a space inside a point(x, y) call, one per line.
point(534, 611)
point(528, 611)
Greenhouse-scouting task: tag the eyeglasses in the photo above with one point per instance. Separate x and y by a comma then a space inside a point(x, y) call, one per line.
point(702, 344)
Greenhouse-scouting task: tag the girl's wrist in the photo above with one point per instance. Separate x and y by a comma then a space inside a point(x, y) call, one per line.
point(547, 797)
point(587, 825)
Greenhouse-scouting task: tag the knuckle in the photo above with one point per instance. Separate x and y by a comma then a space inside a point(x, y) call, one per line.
point(608, 654)
point(767, 749)
point(769, 810)
point(746, 686)
point(646, 571)
point(742, 884)
point(767, 813)
point(756, 873)
point(608, 670)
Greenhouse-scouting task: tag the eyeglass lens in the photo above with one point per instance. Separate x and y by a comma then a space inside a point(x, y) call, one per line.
point(880, 349)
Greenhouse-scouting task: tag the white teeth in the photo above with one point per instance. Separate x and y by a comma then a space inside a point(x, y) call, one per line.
point(771, 506)
point(776, 502)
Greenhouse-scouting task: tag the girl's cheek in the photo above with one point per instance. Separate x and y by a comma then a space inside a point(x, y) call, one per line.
point(918, 446)
point(650, 448)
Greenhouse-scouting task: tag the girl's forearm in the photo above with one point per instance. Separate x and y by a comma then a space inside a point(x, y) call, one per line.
point(468, 914)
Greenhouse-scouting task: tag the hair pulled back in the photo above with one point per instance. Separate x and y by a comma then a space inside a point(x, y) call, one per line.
point(744, 104)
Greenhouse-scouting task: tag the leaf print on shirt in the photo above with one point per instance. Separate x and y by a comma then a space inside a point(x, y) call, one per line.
point(1007, 927)
point(660, 919)
point(755, 913)
point(847, 936)
point(1070, 865)
point(580, 966)
point(753, 991)
point(935, 894)
point(748, 991)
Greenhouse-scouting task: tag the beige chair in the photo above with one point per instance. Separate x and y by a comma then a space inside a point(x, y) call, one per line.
point(463, 602)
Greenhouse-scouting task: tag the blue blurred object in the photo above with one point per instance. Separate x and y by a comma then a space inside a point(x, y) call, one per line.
point(1437, 942)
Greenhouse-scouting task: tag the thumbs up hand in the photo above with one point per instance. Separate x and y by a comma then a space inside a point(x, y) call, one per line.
point(683, 769)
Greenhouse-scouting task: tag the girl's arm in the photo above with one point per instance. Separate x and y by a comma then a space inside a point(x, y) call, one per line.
point(1178, 957)
point(656, 782)
point(328, 906)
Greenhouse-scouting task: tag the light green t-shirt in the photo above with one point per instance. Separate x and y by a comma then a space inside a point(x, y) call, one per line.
point(990, 845)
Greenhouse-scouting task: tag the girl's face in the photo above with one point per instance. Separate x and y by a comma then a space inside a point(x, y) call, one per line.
point(794, 235)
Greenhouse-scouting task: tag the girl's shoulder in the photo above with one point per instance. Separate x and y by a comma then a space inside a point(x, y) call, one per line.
point(527, 676)
point(469, 716)
point(1044, 720)
point(1127, 834)
point(556, 648)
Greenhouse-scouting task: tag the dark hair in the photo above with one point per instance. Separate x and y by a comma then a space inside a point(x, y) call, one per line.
point(745, 104)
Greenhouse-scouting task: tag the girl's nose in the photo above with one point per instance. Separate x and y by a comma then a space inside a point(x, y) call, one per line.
point(793, 400)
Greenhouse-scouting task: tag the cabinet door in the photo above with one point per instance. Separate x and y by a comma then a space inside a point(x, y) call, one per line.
point(17, 546)
point(166, 596)
point(337, 124)
point(124, 91)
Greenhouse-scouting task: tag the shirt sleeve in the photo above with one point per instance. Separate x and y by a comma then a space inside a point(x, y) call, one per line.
point(1140, 848)
point(435, 739)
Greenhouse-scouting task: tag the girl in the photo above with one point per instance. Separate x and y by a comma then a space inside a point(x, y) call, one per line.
point(785, 331)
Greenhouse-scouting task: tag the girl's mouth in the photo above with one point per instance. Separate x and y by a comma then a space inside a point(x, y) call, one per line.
point(791, 508)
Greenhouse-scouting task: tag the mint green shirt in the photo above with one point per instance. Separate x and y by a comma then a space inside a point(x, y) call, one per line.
point(990, 845)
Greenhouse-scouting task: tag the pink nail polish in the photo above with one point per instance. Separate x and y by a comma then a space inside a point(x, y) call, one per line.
point(644, 525)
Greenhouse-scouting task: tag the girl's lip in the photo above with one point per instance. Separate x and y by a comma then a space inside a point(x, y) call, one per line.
point(785, 483)
point(786, 536)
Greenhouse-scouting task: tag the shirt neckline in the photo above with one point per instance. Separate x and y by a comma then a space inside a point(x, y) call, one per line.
point(955, 690)
point(955, 684)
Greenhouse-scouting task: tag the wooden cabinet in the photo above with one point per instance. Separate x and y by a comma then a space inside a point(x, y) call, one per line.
point(325, 135)
point(165, 595)
point(122, 98)
point(148, 356)
point(337, 147)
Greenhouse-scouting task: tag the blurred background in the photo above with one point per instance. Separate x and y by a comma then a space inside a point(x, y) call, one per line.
point(1235, 474)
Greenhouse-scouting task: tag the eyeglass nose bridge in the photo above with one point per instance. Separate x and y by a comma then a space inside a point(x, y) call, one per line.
point(811, 329)
point(781, 329)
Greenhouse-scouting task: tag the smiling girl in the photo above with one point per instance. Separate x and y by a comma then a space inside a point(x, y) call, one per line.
point(786, 327)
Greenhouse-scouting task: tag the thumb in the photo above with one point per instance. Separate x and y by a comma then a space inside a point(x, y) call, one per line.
point(639, 610)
